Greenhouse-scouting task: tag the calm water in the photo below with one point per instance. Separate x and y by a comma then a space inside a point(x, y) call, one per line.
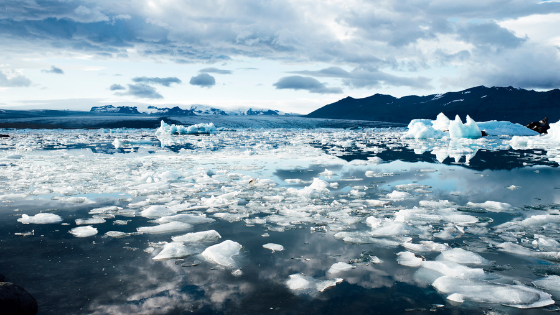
point(376, 174)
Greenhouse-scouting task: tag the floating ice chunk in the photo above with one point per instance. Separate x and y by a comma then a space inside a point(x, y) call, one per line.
point(441, 123)
point(186, 218)
point(545, 243)
point(117, 234)
point(498, 128)
point(165, 228)
point(513, 187)
point(462, 256)
point(71, 199)
point(317, 189)
point(40, 218)
point(153, 212)
point(166, 129)
point(104, 209)
point(222, 253)
point(407, 187)
point(378, 203)
point(426, 246)
point(174, 250)
point(422, 129)
point(493, 206)
point(436, 204)
point(339, 267)
point(452, 269)
point(274, 247)
point(550, 283)
point(305, 284)
point(204, 236)
point(90, 221)
point(518, 296)
point(83, 231)
point(398, 195)
point(409, 259)
point(468, 130)
point(327, 173)
point(12, 196)
point(222, 200)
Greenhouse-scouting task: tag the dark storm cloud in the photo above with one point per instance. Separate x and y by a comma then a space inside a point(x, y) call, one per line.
point(53, 69)
point(311, 85)
point(14, 80)
point(116, 87)
point(141, 91)
point(215, 70)
point(155, 80)
point(203, 80)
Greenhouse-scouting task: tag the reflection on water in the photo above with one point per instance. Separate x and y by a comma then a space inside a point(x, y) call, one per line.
point(376, 197)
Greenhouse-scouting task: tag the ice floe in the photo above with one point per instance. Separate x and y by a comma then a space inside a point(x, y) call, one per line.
point(40, 218)
point(165, 228)
point(83, 231)
point(306, 284)
point(203, 236)
point(274, 247)
point(222, 253)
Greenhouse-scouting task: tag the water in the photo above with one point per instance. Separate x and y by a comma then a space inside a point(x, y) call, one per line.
point(259, 188)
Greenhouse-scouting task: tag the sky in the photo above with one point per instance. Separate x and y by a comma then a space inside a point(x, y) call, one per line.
point(293, 56)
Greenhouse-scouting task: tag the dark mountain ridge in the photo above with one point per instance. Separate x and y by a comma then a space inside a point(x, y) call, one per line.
point(481, 103)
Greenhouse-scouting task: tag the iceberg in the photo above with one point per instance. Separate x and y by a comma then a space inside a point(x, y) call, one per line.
point(196, 129)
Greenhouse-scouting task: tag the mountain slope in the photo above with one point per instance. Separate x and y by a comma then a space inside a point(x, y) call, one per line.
point(481, 103)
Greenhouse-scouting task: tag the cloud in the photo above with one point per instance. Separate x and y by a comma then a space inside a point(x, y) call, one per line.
point(215, 70)
point(331, 72)
point(12, 78)
point(297, 82)
point(489, 34)
point(203, 80)
point(366, 77)
point(115, 87)
point(141, 91)
point(53, 70)
point(155, 80)
point(531, 67)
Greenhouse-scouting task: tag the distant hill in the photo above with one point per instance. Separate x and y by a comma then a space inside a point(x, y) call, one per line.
point(195, 110)
point(481, 103)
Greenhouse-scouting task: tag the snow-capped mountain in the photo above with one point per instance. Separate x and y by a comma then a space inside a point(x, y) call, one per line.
point(110, 109)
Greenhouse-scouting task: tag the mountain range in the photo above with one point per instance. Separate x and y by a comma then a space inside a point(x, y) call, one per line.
point(194, 110)
point(480, 103)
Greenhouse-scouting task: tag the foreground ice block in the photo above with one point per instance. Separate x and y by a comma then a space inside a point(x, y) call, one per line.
point(222, 254)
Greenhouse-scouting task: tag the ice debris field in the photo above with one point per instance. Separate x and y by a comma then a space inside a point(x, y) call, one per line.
point(435, 206)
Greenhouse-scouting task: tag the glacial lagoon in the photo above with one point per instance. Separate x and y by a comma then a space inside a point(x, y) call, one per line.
point(295, 221)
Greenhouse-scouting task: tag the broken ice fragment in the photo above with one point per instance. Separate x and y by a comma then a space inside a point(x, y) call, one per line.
point(306, 284)
point(409, 259)
point(40, 218)
point(462, 256)
point(339, 267)
point(204, 236)
point(83, 231)
point(174, 250)
point(165, 228)
point(222, 253)
point(274, 247)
